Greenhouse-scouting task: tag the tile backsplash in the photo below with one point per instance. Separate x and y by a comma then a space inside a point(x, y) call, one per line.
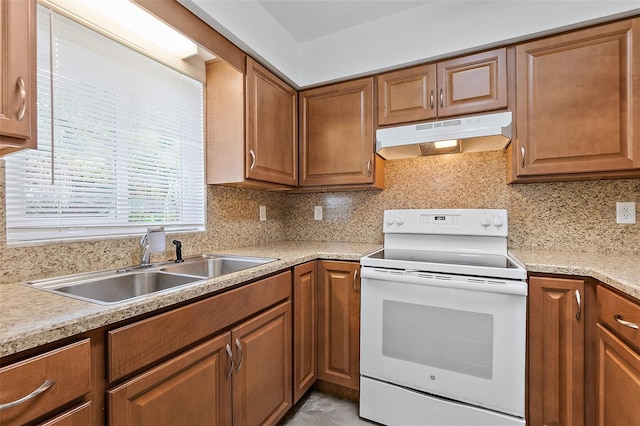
point(576, 216)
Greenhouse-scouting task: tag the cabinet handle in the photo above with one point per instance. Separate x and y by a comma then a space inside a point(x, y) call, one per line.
point(579, 304)
point(441, 99)
point(629, 324)
point(369, 168)
point(522, 156)
point(43, 387)
point(231, 360)
point(355, 280)
point(239, 346)
point(253, 159)
point(23, 96)
point(431, 99)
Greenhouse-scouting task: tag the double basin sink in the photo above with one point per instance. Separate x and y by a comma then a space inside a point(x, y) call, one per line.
point(115, 286)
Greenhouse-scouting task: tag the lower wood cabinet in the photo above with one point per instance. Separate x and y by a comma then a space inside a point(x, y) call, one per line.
point(48, 384)
point(305, 322)
point(556, 343)
point(192, 388)
point(618, 365)
point(339, 323)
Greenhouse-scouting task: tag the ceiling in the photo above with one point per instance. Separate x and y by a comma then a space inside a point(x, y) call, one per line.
point(306, 20)
point(313, 42)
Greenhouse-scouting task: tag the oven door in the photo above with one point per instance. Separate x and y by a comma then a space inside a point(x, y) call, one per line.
point(458, 337)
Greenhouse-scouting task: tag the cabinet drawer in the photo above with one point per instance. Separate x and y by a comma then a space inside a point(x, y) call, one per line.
point(140, 344)
point(616, 311)
point(79, 416)
point(70, 370)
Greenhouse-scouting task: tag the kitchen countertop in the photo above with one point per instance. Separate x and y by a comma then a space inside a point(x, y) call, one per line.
point(30, 317)
point(619, 270)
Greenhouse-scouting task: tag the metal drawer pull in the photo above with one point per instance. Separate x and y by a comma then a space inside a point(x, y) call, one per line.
point(239, 346)
point(431, 98)
point(579, 304)
point(230, 359)
point(355, 280)
point(441, 99)
point(369, 168)
point(43, 387)
point(629, 324)
point(522, 156)
point(253, 159)
point(23, 96)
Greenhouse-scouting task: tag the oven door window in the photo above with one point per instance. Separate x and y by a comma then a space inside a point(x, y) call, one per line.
point(449, 339)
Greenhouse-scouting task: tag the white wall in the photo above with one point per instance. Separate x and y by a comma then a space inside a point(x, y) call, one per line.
point(438, 29)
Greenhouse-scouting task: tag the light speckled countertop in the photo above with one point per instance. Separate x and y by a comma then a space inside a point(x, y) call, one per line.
point(619, 270)
point(31, 317)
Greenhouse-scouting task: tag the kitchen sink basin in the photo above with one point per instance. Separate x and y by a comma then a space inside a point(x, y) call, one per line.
point(115, 286)
point(211, 266)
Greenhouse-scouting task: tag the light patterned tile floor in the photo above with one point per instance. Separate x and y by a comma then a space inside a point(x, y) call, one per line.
point(321, 409)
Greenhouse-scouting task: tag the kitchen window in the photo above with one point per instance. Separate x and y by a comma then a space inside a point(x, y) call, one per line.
point(120, 143)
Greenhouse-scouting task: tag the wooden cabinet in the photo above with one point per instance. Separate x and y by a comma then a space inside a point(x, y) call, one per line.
point(470, 84)
point(192, 388)
point(578, 105)
point(339, 323)
point(241, 375)
point(56, 380)
point(17, 75)
point(251, 134)
point(305, 322)
point(556, 342)
point(262, 369)
point(618, 375)
point(337, 145)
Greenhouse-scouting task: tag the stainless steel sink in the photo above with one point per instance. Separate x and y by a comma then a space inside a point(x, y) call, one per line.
point(211, 266)
point(115, 286)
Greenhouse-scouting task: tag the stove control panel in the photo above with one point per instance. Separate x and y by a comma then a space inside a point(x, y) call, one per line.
point(487, 222)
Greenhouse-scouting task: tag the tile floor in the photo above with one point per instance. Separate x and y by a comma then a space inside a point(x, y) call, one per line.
point(321, 409)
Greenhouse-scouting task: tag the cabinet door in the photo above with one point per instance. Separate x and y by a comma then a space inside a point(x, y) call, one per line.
point(618, 381)
point(305, 320)
point(17, 75)
point(407, 95)
point(556, 351)
point(336, 139)
point(339, 323)
point(193, 388)
point(471, 84)
point(272, 144)
point(262, 373)
point(578, 102)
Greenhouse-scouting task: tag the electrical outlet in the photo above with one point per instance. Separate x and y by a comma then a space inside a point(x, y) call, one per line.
point(263, 213)
point(626, 212)
point(317, 212)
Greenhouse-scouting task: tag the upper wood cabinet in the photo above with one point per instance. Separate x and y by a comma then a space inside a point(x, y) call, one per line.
point(578, 105)
point(251, 127)
point(556, 344)
point(470, 84)
point(17, 75)
point(337, 146)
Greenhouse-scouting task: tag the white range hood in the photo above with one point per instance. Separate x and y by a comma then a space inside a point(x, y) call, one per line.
point(490, 132)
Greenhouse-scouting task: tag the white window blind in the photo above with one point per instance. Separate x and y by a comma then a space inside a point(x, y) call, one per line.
point(120, 143)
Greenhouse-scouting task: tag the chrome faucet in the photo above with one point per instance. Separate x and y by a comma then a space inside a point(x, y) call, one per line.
point(145, 257)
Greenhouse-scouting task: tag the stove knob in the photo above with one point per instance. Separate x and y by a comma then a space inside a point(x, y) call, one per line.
point(485, 222)
point(399, 220)
point(498, 222)
point(389, 220)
